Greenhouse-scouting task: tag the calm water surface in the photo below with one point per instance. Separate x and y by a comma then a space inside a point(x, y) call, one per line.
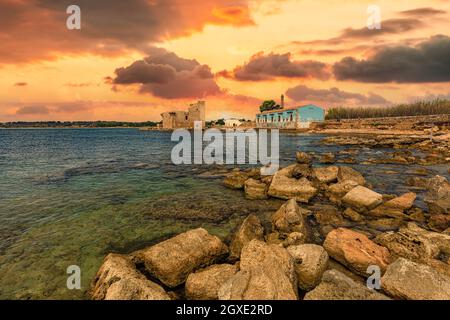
point(70, 196)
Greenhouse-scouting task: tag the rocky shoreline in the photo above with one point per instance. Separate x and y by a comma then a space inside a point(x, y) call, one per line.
point(320, 244)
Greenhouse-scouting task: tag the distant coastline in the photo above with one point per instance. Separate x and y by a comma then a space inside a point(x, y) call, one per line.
point(75, 124)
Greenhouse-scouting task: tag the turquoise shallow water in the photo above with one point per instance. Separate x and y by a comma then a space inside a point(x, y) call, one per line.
point(70, 196)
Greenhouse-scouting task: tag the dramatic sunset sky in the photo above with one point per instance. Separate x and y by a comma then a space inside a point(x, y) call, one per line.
point(134, 59)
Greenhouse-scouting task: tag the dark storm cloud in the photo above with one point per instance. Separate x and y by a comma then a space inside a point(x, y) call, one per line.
point(166, 75)
point(33, 30)
point(429, 61)
point(388, 26)
point(266, 67)
point(333, 96)
point(20, 84)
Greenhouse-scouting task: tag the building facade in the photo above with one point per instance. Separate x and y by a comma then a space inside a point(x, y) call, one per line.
point(185, 119)
point(292, 118)
point(232, 123)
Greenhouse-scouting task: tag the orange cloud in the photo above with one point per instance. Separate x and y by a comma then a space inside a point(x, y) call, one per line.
point(36, 29)
point(233, 15)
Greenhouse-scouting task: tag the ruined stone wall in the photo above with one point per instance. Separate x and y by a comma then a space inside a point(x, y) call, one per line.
point(183, 119)
point(197, 113)
point(395, 123)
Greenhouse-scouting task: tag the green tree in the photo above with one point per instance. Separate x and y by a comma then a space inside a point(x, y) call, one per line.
point(269, 105)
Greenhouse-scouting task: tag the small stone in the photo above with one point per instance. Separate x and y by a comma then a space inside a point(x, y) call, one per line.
point(303, 158)
point(348, 173)
point(439, 222)
point(255, 189)
point(301, 171)
point(235, 180)
point(327, 158)
point(386, 224)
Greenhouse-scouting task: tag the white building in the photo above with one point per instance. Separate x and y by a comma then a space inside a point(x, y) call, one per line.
point(232, 123)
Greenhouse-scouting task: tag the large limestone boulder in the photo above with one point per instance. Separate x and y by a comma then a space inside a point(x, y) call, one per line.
point(417, 244)
point(283, 186)
point(255, 189)
point(355, 250)
point(290, 218)
point(362, 199)
point(205, 284)
point(348, 173)
point(337, 286)
point(438, 196)
point(311, 261)
point(337, 191)
point(405, 279)
point(118, 279)
point(171, 261)
point(395, 208)
point(326, 174)
point(267, 272)
point(250, 229)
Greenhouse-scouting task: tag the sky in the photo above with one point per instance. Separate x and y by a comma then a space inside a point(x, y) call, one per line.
point(132, 60)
